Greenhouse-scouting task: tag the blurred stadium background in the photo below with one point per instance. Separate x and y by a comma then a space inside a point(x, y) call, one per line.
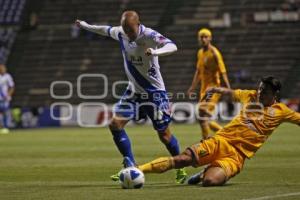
point(40, 44)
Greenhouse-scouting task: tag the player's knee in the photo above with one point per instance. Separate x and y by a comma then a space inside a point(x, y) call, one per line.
point(202, 121)
point(203, 113)
point(209, 181)
point(115, 125)
point(165, 135)
point(164, 138)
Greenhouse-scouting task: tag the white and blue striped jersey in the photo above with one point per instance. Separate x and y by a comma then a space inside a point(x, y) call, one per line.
point(6, 82)
point(143, 71)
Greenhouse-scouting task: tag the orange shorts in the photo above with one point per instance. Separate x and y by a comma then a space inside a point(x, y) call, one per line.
point(217, 152)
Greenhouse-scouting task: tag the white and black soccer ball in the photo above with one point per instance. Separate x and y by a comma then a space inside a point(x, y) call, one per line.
point(132, 178)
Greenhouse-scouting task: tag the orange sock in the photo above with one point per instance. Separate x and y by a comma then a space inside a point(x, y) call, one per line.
point(159, 165)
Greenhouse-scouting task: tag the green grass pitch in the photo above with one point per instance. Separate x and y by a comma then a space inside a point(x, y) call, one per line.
point(76, 163)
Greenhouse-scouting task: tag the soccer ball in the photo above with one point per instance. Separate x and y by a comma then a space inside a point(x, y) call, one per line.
point(132, 178)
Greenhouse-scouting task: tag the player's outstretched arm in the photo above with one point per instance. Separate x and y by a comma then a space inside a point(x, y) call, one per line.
point(291, 116)
point(218, 90)
point(101, 30)
point(167, 49)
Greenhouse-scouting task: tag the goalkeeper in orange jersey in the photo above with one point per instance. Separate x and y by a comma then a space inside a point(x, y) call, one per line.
point(210, 67)
point(225, 153)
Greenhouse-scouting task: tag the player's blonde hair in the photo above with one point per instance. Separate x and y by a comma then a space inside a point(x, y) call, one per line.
point(205, 31)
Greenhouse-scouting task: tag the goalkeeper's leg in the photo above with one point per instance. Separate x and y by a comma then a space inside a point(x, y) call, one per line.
point(164, 164)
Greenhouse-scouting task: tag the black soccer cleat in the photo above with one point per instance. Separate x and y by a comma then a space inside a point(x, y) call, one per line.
point(195, 179)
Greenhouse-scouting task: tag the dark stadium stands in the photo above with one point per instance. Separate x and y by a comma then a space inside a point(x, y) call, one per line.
point(11, 11)
point(10, 17)
point(250, 49)
point(7, 37)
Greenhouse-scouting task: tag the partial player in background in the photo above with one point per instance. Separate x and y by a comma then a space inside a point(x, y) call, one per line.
point(7, 88)
point(225, 152)
point(210, 68)
point(140, 47)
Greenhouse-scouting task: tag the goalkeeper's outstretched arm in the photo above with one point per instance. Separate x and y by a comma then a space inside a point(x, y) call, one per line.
point(218, 90)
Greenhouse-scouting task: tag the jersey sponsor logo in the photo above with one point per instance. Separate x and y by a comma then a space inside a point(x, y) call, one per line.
point(136, 60)
point(203, 153)
point(271, 111)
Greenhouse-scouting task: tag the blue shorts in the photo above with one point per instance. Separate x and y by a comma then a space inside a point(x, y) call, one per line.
point(4, 106)
point(139, 106)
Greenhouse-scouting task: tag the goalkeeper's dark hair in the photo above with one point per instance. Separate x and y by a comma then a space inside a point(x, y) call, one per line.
point(273, 82)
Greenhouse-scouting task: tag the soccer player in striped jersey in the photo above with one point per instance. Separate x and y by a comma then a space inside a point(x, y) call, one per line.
point(224, 154)
point(141, 46)
point(7, 87)
point(210, 68)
